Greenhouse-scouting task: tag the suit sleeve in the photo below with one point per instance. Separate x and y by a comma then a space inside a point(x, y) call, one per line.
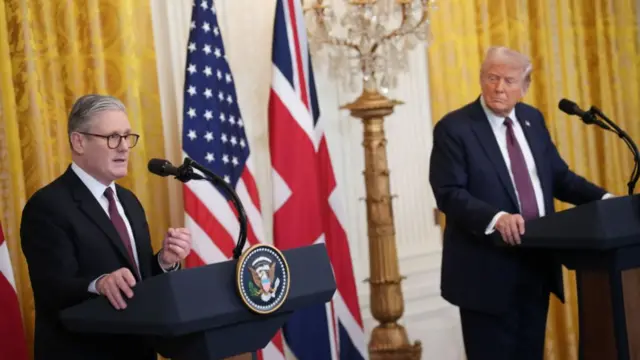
point(567, 185)
point(156, 269)
point(51, 259)
point(448, 177)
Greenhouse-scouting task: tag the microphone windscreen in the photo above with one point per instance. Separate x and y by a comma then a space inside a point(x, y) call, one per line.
point(161, 167)
point(568, 106)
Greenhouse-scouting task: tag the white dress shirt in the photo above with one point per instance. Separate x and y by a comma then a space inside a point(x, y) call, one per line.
point(500, 132)
point(97, 189)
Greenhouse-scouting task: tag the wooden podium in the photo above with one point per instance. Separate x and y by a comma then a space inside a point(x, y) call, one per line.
point(601, 242)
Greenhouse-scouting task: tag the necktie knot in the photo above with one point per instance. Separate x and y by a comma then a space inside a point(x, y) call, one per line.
point(508, 122)
point(108, 193)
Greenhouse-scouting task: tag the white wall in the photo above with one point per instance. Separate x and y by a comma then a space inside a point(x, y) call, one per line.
point(248, 43)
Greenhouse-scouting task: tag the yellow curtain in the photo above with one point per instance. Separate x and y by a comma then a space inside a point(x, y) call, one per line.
point(51, 52)
point(585, 51)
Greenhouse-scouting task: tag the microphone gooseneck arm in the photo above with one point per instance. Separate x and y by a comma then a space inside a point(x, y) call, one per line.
point(186, 173)
point(635, 174)
point(217, 181)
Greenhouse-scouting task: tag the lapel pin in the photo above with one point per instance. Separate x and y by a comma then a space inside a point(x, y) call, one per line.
point(526, 122)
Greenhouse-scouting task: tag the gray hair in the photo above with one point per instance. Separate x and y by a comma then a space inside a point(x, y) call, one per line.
point(86, 107)
point(504, 55)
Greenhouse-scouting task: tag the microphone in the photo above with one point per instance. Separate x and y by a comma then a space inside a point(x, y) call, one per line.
point(185, 173)
point(571, 108)
point(162, 167)
point(588, 117)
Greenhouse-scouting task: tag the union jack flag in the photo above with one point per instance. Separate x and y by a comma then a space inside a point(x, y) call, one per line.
point(213, 135)
point(307, 207)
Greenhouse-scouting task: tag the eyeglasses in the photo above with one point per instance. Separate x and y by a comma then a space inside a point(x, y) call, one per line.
point(114, 140)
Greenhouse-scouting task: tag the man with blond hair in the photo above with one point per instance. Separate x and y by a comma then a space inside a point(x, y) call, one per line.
point(493, 167)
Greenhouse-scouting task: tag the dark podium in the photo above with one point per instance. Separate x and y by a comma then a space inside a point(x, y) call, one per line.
point(601, 242)
point(197, 314)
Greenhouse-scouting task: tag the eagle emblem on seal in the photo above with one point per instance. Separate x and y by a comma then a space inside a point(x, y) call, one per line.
point(263, 275)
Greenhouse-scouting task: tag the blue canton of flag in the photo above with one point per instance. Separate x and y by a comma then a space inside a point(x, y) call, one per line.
point(213, 131)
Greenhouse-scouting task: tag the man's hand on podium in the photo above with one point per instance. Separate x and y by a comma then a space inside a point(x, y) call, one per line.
point(113, 285)
point(511, 227)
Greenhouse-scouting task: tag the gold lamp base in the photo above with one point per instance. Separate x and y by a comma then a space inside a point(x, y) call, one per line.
point(390, 342)
point(389, 339)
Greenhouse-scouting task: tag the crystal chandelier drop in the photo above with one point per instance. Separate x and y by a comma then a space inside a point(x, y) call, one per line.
point(377, 37)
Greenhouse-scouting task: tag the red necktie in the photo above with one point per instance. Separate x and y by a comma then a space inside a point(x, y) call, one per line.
point(524, 186)
point(120, 226)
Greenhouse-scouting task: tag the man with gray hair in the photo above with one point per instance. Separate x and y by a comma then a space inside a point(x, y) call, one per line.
point(85, 236)
point(493, 167)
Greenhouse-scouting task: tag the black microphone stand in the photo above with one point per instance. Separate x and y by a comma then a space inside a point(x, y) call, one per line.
point(186, 173)
point(635, 174)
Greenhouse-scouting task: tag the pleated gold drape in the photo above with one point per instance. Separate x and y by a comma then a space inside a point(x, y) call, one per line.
point(584, 50)
point(51, 52)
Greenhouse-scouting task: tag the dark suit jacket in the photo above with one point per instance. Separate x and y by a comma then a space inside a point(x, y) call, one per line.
point(69, 241)
point(471, 184)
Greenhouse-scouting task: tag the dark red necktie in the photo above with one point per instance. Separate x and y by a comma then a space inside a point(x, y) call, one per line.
point(119, 224)
point(524, 186)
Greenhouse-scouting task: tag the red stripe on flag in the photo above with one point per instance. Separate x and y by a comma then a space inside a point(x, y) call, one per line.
point(208, 222)
point(193, 260)
point(251, 235)
point(298, 168)
point(252, 188)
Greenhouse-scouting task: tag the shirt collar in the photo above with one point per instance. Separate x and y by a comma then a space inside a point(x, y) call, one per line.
point(494, 119)
point(95, 187)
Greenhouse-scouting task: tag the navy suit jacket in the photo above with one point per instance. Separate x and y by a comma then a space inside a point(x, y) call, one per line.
point(471, 184)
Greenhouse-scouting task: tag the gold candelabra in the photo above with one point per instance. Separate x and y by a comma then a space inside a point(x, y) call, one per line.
point(379, 34)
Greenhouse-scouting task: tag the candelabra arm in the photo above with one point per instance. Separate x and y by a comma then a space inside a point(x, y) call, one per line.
point(340, 42)
point(402, 29)
point(330, 40)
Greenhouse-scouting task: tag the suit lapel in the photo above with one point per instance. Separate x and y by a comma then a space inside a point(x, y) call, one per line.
point(90, 206)
point(486, 137)
point(136, 222)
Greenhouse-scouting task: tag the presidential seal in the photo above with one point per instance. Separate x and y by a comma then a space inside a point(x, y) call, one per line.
point(262, 277)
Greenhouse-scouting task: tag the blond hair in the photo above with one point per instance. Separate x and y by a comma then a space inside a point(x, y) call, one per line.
point(504, 55)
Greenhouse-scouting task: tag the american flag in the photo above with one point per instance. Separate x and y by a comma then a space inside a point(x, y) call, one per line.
point(12, 341)
point(213, 135)
point(307, 207)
